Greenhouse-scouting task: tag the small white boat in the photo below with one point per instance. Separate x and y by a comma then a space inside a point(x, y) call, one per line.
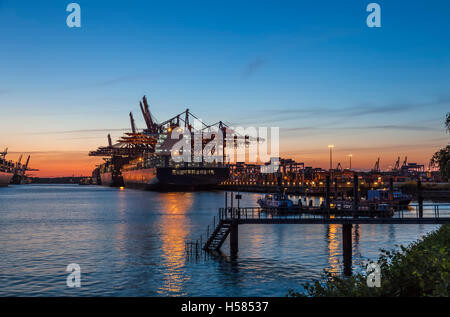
point(275, 201)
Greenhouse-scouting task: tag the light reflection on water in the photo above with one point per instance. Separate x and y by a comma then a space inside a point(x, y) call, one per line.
point(131, 243)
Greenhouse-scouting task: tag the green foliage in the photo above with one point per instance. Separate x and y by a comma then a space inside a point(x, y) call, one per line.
point(442, 159)
point(421, 269)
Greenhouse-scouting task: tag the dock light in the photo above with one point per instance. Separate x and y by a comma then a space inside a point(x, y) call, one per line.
point(122, 188)
point(169, 129)
point(350, 157)
point(375, 183)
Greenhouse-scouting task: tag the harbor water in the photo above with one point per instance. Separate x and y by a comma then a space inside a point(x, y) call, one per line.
point(132, 243)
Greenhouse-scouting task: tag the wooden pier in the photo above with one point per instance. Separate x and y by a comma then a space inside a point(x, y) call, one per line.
point(229, 219)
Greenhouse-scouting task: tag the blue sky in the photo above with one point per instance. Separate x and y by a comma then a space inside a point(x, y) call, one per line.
point(313, 68)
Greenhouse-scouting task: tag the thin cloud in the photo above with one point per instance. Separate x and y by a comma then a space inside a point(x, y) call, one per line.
point(117, 80)
point(84, 131)
point(252, 67)
point(278, 114)
point(109, 82)
point(379, 149)
point(46, 152)
point(411, 127)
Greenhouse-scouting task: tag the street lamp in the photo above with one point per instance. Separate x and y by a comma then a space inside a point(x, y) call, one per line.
point(331, 146)
point(350, 156)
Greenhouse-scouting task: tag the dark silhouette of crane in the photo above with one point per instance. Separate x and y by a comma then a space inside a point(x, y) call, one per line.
point(376, 167)
point(133, 125)
point(397, 165)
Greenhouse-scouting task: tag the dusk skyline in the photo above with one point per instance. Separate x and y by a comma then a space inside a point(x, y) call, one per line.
point(314, 70)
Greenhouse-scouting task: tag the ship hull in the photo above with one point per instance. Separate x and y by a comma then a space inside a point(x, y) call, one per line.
point(108, 179)
point(192, 178)
point(141, 179)
point(167, 178)
point(5, 178)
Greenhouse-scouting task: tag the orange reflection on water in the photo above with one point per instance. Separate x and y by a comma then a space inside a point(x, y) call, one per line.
point(174, 230)
point(333, 248)
point(121, 226)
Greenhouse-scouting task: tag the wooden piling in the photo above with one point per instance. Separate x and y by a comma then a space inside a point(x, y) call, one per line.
point(234, 239)
point(328, 198)
point(347, 248)
point(420, 197)
point(355, 192)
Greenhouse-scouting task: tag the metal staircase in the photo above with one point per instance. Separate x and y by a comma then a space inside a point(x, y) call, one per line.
point(218, 236)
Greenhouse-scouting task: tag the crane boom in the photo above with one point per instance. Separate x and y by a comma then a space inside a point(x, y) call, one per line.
point(133, 126)
point(26, 164)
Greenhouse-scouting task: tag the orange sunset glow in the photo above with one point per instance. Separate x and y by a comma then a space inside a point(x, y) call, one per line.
point(57, 163)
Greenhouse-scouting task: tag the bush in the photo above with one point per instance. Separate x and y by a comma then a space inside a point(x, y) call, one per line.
point(421, 269)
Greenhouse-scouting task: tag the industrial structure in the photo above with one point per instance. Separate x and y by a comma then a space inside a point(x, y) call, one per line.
point(296, 178)
point(144, 159)
point(13, 172)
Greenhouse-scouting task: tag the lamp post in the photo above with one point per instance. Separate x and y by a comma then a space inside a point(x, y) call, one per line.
point(331, 146)
point(350, 156)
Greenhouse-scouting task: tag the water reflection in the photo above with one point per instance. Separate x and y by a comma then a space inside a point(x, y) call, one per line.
point(333, 247)
point(174, 229)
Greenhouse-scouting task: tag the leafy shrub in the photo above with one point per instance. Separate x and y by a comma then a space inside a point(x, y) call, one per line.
point(421, 269)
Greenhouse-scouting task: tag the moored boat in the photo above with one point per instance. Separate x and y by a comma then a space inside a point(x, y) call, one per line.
point(394, 198)
point(275, 201)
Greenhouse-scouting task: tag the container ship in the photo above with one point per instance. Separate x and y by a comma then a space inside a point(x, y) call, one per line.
point(143, 159)
point(6, 169)
point(10, 172)
point(158, 172)
point(5, 177)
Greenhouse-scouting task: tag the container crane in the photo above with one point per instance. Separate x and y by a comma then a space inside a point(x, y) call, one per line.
point(376, 168)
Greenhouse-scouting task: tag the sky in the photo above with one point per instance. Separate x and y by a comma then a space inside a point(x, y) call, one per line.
point(313, 68)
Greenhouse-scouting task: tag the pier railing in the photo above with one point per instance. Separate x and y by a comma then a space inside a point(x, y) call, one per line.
point(426, 211)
